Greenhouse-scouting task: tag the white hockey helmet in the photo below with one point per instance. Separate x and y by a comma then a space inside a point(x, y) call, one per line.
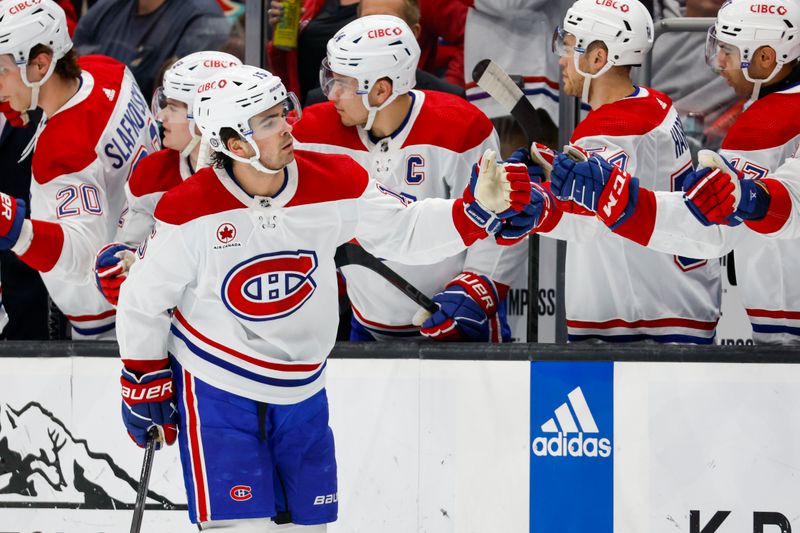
point(371, 48)
point(744, 26)
point(624, 26)
point(183, 78)
point(24, 25)
point(230, 98)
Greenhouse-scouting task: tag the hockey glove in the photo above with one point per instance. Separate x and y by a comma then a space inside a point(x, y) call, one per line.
point(12, 215)
point(111, 266)
point(517, 227)
point(596, 185)
point(466, 308)
point(148, 401)
point(717, 193)
point(15, 118)
point(495, 191)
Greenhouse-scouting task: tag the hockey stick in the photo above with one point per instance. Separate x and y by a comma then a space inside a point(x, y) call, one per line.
point(351, 253)
point(144, 480)
point(494, 80)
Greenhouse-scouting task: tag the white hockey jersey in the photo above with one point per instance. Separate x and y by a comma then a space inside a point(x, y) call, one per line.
point(617, 291)
point(155, 175)
point(764, 135)
point(83, 157)
point(516, 35)
point(253, 280)
point(430, 156)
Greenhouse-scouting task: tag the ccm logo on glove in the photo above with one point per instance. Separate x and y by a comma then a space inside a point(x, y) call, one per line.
point(617, 189)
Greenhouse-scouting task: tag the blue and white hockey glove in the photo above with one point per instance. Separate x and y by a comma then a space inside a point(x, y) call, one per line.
point(495, 191)
point(148, 401)
point(466, 309)
point(594, 184)
point(12, 215)
point(517, 227)
point(717, 193)
point(111, 266)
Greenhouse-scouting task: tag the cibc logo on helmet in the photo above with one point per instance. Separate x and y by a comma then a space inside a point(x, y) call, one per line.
point(613, 4)
point(218, 63)
point(212, 85)
point(22, 6)
point(385, 32)
point(770, 9)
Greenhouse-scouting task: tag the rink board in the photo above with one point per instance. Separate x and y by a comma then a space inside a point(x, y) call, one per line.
point(447, 446)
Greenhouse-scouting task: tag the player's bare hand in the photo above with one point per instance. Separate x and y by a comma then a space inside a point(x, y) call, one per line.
point(275, 12)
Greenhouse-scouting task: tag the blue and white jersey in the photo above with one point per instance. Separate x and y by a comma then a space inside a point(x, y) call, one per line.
point(252, 280)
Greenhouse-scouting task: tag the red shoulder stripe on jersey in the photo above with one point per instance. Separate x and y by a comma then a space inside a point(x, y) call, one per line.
point(770, 122)
point(46, 246)
point(467, 229)
point(639, 227)
point(321, 124)
point(68, 144)
point(450, 122)
point(327, 178)
point(780, 207)
point(629, 116)
point(200, 195)
point(158, 172)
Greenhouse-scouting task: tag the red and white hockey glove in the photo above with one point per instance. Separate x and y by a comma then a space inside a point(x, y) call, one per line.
point(717, 193)
point(147, 401)
point(12, 216)
point(467, 311)
point(111, 266)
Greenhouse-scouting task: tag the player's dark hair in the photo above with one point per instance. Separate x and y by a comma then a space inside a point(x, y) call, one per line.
point(218, 159)
point(67, 67)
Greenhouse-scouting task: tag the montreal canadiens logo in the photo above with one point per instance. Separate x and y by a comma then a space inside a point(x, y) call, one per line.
point(226, 232)
point(241, 493)
point(270, 286)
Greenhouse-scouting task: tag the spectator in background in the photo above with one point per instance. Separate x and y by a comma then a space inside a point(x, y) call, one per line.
point(320, 20)
point(144, 33)
point(24, 296)
point(516, 34)
point(443, 19)
point(701, 97)
point(409, 12)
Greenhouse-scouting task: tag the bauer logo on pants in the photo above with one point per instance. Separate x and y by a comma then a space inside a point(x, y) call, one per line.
point(270, 286)
point(572, 431)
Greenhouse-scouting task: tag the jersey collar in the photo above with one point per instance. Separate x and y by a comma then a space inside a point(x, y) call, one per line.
point(281, 198)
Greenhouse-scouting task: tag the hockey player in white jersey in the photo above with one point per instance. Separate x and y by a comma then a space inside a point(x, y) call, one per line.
point(616, 291)
point(419, 144)
point(244, 254)
point(162, 170)
point(755, 46)
point(95, 127)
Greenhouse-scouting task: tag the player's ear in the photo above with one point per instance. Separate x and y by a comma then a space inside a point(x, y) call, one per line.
point(598, 58)
point(380, 91)
point(765, 58)
point(38, 65)
point(238, 146)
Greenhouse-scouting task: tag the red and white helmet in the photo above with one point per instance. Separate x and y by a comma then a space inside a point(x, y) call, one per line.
point(182, 80)
point(624, 26)
point(371, 48)
point(26, 24)
point(230, 98)
point(744, 26)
